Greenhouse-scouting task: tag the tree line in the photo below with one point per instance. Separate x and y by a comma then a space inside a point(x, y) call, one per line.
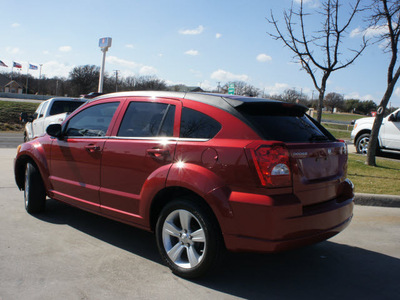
point(84, 79)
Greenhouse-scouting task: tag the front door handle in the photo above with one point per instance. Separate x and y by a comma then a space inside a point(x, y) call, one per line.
point(92, 148)
point(157, 152)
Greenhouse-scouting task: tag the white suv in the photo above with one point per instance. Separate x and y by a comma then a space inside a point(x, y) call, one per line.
point(389, 134)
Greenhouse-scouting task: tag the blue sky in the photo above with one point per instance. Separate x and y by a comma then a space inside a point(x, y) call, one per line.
point(179, 41)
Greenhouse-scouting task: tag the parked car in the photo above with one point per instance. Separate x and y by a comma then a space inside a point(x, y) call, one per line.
point(50, 111)
point(205, 172)
point(91, 95)
point(389, 133)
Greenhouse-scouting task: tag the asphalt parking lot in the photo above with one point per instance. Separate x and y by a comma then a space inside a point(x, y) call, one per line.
point(70, 254)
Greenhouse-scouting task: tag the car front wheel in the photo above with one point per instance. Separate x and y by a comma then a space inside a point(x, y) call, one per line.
point(34, 192)
point(188, 238)
point(362, 143)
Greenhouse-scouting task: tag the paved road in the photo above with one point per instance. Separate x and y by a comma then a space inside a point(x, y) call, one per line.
point(10, 139)
point(70, 254)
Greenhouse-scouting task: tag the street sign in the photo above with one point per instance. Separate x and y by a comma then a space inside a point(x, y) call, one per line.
point(105, 42)
point(231, 89)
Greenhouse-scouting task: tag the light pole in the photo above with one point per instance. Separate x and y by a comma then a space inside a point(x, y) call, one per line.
point(116, 80)
point(104, 44)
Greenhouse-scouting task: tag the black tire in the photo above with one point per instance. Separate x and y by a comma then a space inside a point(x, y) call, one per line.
point(362, 143)
point(34, 191)
point(194, 249)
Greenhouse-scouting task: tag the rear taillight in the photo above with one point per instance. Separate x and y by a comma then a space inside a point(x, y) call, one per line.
point(272, 163)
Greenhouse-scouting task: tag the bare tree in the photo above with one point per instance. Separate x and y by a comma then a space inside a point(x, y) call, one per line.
point(317, 52)
point(386, 14)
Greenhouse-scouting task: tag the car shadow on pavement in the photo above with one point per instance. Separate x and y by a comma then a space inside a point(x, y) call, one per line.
point(327, 270)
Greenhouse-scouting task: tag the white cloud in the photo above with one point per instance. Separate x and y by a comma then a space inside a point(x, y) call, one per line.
point(356, 95)
point(54, 68)
point(397, 92)
point(46, 52)
point(131, 66)
point(15, 25)
point(370, 32)
point(218, 35)
point(130, 46)
point(192, 52)
point(122, 62)
point(311, 3)
point(13, 50)
point(65, 48)
point(276, 89)
point(207, 86)
point(263, 57)
point(147, 70)
point(195, 31)
point(223, 75)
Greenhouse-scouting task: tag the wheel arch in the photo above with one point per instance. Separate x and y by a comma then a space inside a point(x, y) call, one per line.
point(167, 195)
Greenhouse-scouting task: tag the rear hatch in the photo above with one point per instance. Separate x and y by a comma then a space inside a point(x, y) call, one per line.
point(317, 161)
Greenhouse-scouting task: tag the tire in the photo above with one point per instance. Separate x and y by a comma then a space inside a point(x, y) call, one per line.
point(362, 143)
point(34, 191)
point(188, 238)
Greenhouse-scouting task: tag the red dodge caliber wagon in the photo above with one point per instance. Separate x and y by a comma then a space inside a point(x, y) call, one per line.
point(205, 172)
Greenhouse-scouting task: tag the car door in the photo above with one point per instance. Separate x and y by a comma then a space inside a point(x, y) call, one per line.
point(143, 145)
point(391, 132)
point(38, 124)
point(75, 158)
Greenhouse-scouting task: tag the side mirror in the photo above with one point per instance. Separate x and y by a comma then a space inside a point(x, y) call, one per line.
point(23, 117)
point(54, 130)
point(392, 118)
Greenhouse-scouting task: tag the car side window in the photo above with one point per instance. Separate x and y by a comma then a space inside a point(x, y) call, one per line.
point(195, 124)
point(38, 110)
point(147, 119)
point(43, 110)
point(93, 121)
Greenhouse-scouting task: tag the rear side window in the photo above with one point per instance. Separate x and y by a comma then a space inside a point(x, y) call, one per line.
point(195, 124)
point(284, 123)
point(148, 119)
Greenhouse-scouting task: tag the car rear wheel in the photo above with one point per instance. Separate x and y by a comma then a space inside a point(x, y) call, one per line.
point(34, 192)
point(188, 238)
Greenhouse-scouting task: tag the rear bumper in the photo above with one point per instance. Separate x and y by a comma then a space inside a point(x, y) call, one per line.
point(274, 224)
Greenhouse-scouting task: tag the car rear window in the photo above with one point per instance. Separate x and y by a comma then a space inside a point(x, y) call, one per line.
point(60, 107)
point(286, 123)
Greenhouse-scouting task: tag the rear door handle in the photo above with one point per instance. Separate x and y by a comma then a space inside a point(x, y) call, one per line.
point(92, 148)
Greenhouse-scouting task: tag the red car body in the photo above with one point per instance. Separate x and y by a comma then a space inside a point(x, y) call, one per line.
point(131, 179)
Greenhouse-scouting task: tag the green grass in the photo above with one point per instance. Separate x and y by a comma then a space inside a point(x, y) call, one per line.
point(383, 179)
point(339, 131)
point(10, 111)
point(343, 117)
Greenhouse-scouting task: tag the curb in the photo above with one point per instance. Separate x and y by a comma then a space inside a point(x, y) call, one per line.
point(377, 200)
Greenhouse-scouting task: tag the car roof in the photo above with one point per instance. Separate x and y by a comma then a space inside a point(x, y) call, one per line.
point(223, 101)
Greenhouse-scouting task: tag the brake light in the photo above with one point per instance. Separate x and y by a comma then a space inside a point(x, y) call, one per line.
point(272, 163)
